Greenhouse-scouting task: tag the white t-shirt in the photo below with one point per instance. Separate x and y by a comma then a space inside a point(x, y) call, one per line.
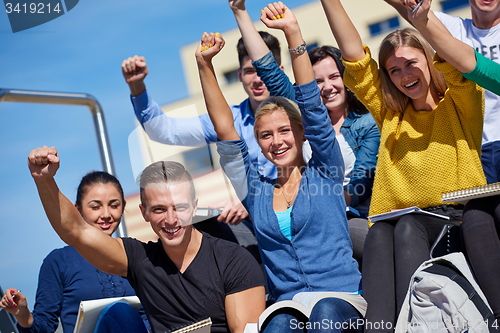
point(348, 156)
point(345, 150)
point(486, 42)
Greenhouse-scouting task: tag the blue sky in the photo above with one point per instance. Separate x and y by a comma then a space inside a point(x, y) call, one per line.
point(81, 52)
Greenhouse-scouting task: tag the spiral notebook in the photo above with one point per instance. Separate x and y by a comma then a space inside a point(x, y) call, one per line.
point(463, 196)
point(199, 327)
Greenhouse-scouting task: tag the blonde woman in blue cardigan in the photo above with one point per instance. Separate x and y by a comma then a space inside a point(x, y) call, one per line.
point(304, 206)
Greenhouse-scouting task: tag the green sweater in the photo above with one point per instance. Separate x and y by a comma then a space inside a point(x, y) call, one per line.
point(486, 74)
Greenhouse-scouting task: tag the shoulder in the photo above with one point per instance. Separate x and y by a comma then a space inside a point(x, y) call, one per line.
point(443, 17)
point(62, 253)
point(218, 245)
point(225, 251)
point(362, 118)
point(453, 22)
point(238, 268)
point(134, 246)
point(241, 109)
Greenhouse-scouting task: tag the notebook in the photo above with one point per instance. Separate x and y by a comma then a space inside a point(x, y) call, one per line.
point(463, 196)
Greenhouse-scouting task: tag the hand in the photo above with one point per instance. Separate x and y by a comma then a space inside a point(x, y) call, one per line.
point(210, 45)
point(278, 16)
point(232, 212)
point(43, 162)
point(236, 5)
point(13, 302)
point(418, 15)
point(134, 71)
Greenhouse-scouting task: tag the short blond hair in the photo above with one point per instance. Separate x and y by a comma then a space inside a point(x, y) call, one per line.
point(393, 97)
point(278, 103)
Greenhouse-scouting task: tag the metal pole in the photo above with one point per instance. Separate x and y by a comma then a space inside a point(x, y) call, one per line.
point(45, 97)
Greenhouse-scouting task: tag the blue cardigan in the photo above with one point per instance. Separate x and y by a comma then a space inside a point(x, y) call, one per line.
point(319, 256)
point(359, 130)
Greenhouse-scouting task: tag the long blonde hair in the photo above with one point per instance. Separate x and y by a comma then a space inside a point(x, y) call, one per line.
point(393, 97)
point(278, 103)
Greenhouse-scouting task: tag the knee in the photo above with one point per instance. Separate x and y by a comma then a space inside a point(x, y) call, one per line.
point(284, 321)
point(334, 309)
point(380, 233)
point(408, 228)
point(119, 317)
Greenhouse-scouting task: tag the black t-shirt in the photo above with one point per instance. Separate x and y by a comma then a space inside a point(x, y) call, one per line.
point(172, 299)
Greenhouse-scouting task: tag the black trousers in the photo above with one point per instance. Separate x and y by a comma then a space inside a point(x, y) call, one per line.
point(481, 225)
point(393, 251)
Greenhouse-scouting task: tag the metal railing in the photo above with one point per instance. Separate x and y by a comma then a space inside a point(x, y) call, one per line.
point(46, 97)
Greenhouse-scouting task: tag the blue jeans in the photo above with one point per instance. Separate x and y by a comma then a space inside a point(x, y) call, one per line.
point(120, 317)
point(490, 158)
point(328, 315)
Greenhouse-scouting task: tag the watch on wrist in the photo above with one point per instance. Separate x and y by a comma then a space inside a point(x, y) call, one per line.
point(299, 49)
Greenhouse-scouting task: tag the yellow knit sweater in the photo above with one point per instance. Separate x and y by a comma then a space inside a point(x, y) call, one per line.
point(422, 154)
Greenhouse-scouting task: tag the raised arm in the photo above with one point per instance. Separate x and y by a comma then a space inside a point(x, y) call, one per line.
point(254, 44)
point(458, 54)
point(217, 107)
point(344, 31)
point(102, 251)
point(278, 16)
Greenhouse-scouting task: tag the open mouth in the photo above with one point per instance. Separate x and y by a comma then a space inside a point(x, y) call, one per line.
point(171, 231)
point(330, 96)
point(258, 91)
point(105, 225)
point(280, 152)
point(411, 85)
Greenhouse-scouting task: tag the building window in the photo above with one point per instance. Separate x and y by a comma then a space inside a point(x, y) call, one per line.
point(231, 76)
point(450, 5)
point(311, 46)
point(198, 160)
point(384, 26)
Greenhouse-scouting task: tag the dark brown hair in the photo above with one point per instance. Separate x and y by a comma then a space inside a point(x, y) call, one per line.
point(320, 53)
point(272, 43)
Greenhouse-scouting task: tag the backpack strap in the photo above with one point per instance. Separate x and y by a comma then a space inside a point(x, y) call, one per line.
point(453, 274)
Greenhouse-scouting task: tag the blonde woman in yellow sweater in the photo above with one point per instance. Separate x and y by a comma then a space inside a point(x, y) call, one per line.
point(430, 119)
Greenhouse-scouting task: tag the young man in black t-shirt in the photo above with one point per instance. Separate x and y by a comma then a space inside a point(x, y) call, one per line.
point(183, 278)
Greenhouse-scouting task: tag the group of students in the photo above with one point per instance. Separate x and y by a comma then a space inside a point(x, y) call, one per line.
point(296, 160)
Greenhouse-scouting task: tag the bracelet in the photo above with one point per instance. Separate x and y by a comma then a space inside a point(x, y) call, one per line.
point(299, 49)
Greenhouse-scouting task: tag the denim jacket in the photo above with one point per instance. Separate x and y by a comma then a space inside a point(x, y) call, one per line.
point(359, 130)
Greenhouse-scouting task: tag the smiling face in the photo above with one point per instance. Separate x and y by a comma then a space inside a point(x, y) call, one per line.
point(102, 207)
point(331, 85)
point(280, 139)
point(409, 72)
point(252, 84)
point(486, 9)
point(169, 208)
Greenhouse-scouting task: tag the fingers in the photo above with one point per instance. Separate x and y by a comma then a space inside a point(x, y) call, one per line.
point(209, 40)
point(133, 64)
point(231, 216)
point(233, 213)
point(275, 11)
point(8, 298)
point(210, 45)
point(43, 156)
